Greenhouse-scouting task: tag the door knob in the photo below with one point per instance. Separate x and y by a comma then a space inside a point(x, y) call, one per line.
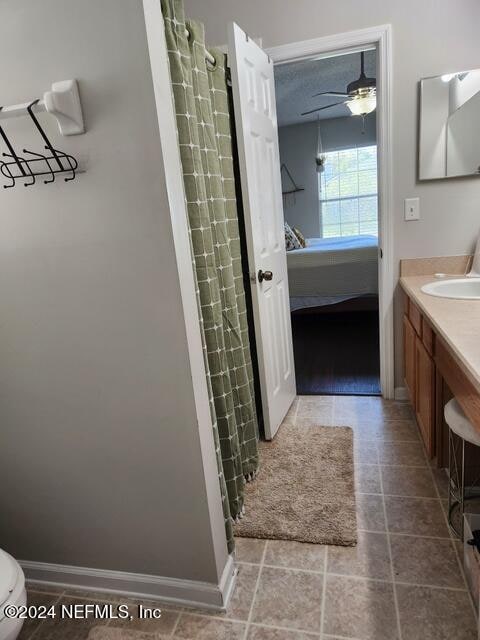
point(265, 275)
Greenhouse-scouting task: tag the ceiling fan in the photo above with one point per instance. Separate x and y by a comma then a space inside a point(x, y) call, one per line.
point(361, 94)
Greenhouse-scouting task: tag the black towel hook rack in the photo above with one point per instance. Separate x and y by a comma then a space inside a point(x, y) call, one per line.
point(63, 102)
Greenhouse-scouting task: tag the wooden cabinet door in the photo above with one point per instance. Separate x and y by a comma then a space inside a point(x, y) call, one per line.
point(425, 395)
point(409, 357)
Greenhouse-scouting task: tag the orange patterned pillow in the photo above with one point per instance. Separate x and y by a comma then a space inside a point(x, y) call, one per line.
point(291, 240)
point(300, 236)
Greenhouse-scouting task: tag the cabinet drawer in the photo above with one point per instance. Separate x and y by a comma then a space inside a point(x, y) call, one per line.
point(463, 390)
point(428, 337)
point(415, 317)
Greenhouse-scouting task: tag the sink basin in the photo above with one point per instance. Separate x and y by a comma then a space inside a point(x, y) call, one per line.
point(460, 288)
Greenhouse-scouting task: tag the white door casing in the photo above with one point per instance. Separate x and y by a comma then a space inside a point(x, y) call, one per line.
point(256, 125)
point(380, 38)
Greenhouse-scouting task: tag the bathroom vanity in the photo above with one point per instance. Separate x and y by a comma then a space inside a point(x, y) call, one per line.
point(441, 352)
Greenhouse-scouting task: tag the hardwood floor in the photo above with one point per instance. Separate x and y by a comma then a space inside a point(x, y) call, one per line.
point(337, 353)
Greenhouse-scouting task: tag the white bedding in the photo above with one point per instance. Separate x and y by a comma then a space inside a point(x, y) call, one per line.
point(328, 270)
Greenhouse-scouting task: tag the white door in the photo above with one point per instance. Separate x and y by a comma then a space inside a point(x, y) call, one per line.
point(256, 124)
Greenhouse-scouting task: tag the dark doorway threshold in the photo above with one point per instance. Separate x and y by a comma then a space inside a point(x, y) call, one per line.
point(336, 352)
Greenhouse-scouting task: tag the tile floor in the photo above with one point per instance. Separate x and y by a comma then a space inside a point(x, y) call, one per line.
point(403, 581)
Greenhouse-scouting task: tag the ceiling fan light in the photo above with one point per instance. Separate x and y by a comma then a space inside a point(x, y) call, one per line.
point(362, 105)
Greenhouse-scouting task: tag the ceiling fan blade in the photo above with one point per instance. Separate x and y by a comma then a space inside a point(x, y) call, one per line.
point(335, 94)
point(328, 106)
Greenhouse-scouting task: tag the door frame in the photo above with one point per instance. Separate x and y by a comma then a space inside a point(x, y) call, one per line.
point(380, 38)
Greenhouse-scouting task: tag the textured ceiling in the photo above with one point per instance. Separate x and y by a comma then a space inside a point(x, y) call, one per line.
point(296, 82)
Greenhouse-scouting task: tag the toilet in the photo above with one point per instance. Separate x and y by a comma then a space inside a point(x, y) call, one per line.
point(12, 592)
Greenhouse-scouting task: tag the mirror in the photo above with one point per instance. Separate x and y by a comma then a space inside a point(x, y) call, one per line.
point(449, 141)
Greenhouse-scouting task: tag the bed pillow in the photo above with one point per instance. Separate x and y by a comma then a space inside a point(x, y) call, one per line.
point(300, 236)
point(291, 240)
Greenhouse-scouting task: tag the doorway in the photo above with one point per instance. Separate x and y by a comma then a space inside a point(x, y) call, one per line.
point(342, 329)
point(328, 155)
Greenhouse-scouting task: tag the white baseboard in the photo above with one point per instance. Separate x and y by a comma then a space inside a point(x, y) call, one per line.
point(188, 593)
point(401, 393)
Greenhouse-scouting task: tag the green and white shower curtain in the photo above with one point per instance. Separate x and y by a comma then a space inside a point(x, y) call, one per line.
point(203, 122)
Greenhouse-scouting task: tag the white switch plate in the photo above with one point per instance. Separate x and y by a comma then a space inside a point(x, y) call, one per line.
point(412, 208)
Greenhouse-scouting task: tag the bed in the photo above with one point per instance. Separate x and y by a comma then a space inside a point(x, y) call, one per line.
point(332, 270)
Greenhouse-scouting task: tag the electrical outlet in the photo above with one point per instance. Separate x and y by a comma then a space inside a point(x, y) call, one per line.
point(412, 208)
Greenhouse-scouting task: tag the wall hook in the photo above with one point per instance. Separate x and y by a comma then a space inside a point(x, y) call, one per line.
point(47, 162)
point(53, 163)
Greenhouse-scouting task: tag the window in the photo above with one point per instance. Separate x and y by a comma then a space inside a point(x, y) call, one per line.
point(348, 193)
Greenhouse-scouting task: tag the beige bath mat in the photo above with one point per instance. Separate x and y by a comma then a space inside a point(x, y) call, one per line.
point(305, 488)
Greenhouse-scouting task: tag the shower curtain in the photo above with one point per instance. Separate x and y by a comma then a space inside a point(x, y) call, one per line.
point(203, 121)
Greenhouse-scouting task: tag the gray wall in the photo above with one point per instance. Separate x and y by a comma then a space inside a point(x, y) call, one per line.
point(429, 38)
point(99, 443)
point(298, 148)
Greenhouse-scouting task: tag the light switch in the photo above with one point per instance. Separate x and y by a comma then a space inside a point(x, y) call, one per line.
point(412, 208)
